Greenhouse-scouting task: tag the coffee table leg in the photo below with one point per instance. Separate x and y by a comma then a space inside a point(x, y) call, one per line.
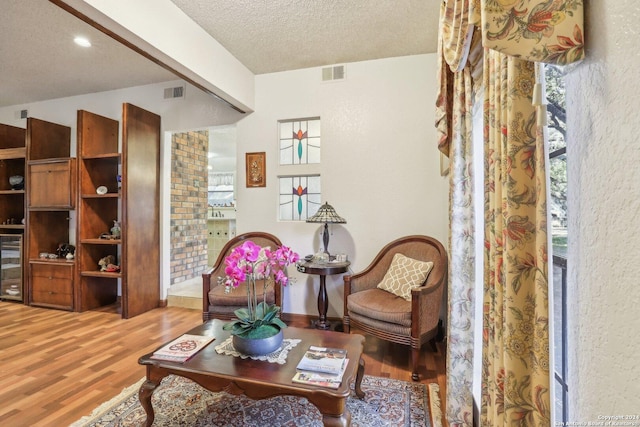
point(359, 376)
point(144, 394)
point(343, 421)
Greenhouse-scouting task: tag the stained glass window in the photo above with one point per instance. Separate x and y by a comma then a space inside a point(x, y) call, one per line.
point(299, 141)
point(300, 197)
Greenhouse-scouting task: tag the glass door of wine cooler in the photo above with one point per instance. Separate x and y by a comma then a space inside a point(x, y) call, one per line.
point(11, 285)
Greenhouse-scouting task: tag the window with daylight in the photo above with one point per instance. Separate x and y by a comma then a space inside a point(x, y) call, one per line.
point(299, 196)
point(299, 141)
point(556, 127)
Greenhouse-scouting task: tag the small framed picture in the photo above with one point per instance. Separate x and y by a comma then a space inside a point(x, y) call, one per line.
point(256, 169)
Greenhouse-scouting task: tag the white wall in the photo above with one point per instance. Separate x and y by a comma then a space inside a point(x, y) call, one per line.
point(196, 111)
point(380, 165)
point(604, 216)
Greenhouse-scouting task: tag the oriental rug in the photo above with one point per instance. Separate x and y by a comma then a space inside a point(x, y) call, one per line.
point(182, 402)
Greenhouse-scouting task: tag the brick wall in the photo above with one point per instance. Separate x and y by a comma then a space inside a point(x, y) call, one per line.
point(189, 193)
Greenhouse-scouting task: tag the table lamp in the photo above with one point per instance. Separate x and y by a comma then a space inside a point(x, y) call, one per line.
point(327, 215)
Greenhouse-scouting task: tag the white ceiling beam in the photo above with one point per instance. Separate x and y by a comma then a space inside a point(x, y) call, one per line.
point(161, 31)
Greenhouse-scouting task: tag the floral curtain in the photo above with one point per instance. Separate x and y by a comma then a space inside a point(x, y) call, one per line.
point(454, 125)
point(515, 359)
point(461, 295)
point(515, 380)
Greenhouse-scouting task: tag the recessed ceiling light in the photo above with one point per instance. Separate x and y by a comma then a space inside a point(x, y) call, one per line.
point(82, 41)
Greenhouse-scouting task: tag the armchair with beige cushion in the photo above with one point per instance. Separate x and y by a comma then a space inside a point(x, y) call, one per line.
point(398, 296)
point(216, 304)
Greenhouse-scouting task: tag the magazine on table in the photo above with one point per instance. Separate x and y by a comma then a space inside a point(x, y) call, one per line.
point(324, 360)
point(182, 348)
point(321, 379)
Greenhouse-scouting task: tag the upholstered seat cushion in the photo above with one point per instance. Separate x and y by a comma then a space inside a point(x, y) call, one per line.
point(238, 296)
point(380, 305)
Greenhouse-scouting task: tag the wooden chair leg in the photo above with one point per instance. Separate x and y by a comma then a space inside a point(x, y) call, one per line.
point(415, 359)
point(346, 327)
point(434, 347)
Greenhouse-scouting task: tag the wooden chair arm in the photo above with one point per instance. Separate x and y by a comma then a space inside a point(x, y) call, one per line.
point(426, 302)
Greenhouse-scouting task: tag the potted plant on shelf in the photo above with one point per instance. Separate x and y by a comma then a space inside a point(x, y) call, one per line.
point(258, 327)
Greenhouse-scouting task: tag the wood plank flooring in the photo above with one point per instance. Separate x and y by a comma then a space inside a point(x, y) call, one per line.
point(56, 366)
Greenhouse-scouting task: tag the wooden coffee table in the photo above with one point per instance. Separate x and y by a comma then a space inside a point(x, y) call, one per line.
point(261, 379)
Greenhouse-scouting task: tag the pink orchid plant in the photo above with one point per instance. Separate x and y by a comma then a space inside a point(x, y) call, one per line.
point(248, 263)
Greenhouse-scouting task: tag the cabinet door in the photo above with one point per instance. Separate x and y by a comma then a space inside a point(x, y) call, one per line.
point(52, 285)
point(52, 184)
point(11, 267)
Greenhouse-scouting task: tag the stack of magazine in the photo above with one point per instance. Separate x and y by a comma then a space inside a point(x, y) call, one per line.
point(182, 349)
point(322, 366)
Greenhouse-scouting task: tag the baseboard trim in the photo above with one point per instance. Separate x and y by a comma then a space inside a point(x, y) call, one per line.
point(307, 318)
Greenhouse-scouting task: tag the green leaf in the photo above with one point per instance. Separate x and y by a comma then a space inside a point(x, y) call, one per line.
point(278, 322)
point(243, 314)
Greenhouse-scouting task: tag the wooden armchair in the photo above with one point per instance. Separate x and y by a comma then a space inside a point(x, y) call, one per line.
point(392, 318)
point(220, 305)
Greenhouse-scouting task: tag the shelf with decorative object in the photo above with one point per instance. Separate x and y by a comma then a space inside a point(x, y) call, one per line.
point(118, 182)
point(13, 155)
point(99, 165)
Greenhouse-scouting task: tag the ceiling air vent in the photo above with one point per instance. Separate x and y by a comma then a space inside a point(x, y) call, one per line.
point(21, 114)
point(174, 92)
point(333, 73)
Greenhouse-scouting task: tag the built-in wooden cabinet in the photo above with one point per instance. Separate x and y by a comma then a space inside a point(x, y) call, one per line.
point(115, 178)
point(51, 197)
point(99, 163)
point(13, 157)
point(128, 177)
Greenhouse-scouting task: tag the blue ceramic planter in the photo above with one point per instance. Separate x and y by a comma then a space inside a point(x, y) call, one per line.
point(257, 347)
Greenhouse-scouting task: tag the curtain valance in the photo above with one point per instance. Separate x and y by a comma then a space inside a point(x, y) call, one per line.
point(549, 31)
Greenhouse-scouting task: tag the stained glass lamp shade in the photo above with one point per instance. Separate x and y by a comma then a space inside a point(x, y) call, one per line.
point(327, 215)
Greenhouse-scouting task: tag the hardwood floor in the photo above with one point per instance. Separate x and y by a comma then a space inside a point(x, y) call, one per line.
point(57, 366)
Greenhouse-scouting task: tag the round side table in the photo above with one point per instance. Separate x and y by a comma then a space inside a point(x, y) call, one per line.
point(323, 270)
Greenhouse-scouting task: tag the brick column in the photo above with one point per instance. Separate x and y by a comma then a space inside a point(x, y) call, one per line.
point(189, 196)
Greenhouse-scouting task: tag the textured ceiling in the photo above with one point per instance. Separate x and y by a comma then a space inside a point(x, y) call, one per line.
point(38, 60)
point(277, 35)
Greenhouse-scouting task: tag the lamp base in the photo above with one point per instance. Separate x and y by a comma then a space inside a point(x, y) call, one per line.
point(325, 239)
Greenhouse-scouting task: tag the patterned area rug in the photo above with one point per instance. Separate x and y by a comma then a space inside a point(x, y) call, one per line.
point(182, 402)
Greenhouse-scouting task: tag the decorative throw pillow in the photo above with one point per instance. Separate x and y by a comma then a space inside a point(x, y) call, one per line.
point(405, 274)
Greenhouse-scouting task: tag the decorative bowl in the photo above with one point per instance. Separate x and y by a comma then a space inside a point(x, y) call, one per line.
point(16, 182)
point(257, 347)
